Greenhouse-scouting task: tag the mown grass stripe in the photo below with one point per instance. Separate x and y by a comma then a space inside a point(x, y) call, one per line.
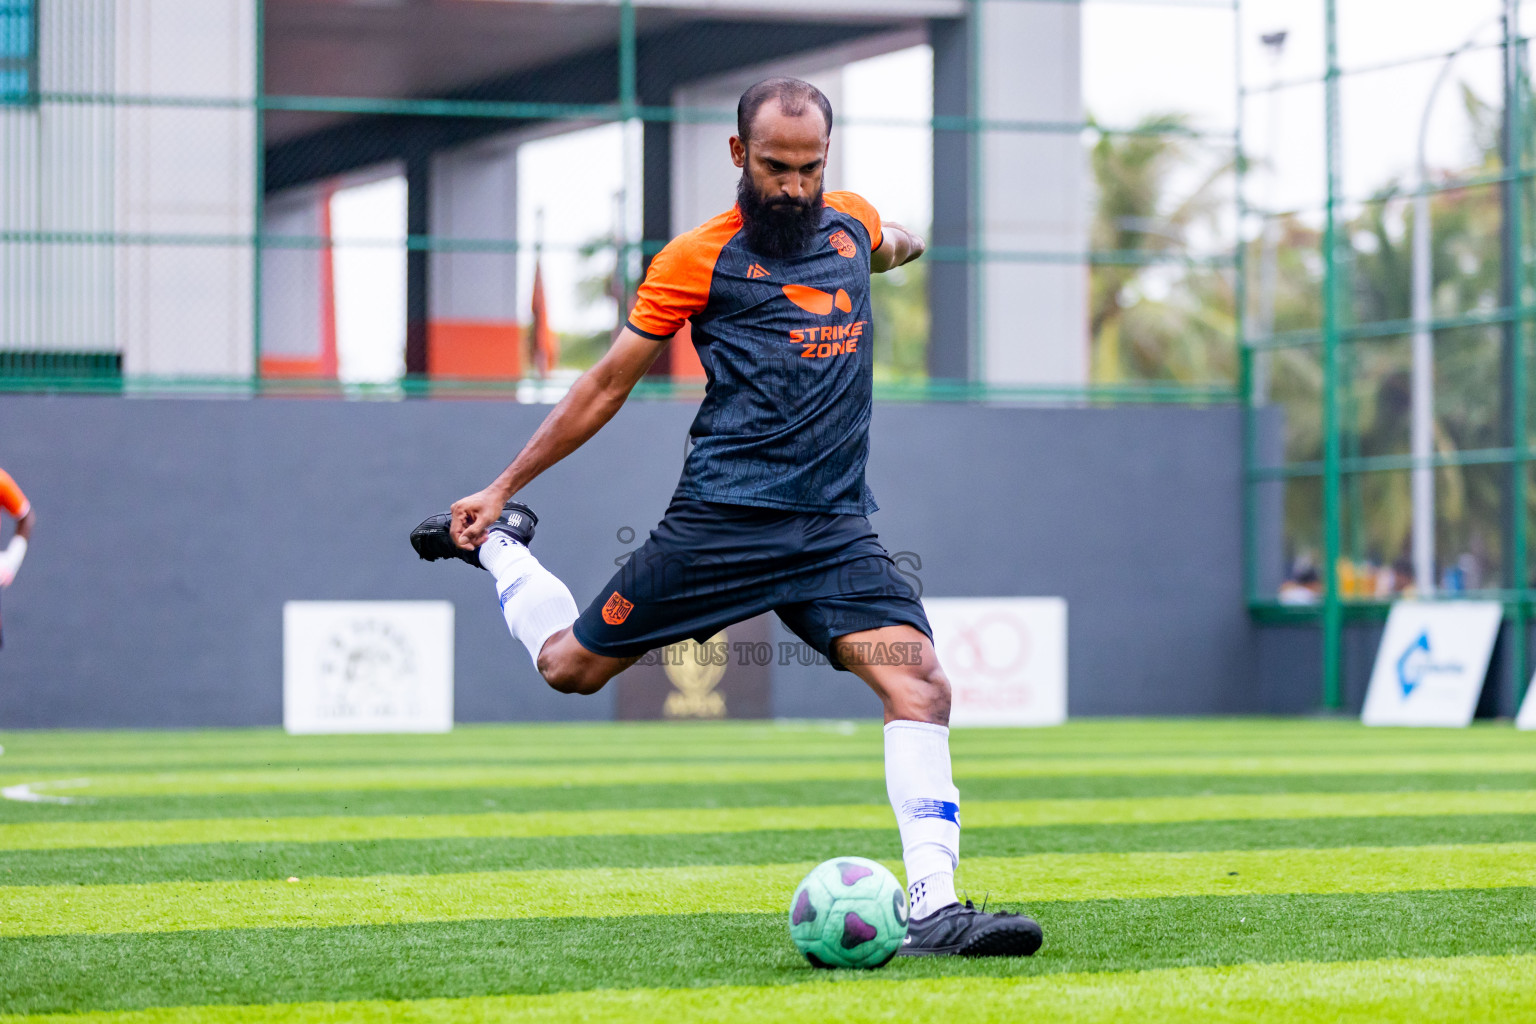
point(257, 861)
point(1420, 990)
point(977, 814)
point(824, 772)
point(471, 958)
point(386, 899)
point(343, 803)
point(469, 746)
point(1087, 733)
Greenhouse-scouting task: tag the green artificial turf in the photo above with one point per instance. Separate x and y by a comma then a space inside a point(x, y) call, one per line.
point(1221, 870)
point(468, 958)
point(232, 861)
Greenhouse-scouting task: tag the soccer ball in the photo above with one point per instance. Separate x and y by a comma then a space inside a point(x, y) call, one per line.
point(849, 912)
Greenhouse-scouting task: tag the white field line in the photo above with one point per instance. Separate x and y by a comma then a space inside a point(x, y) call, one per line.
point(26, 792)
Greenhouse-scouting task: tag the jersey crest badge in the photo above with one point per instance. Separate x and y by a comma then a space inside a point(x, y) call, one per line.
point(617, 609)
point(756, 270)
point(843, 244)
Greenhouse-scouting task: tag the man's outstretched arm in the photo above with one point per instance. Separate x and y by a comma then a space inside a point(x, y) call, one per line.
point(899, 246)
point(591, 402)
point(11, 556)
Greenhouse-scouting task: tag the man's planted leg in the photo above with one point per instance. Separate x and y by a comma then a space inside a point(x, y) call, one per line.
point(920, 784)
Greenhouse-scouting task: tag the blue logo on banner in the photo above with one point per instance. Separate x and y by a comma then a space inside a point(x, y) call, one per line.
point(914, 809)
point(1415, 665)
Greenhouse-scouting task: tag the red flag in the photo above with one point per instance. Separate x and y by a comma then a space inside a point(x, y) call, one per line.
point(543, 346)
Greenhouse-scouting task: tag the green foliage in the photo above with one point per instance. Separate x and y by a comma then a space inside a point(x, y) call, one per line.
point(1167, 321)
point(1375, 257)
point(900, 300)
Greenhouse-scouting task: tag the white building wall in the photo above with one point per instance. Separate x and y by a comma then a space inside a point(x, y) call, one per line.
point(81, 174)
point(189, 172)
point(56, 185)
point(474, 197)
point(1034, 197)
point(291, 300)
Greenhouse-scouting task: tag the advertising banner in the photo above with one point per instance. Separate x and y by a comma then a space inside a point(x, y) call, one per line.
point(1526, 719)
point(1431, 663)
point(367, 666)
point(1006, 658)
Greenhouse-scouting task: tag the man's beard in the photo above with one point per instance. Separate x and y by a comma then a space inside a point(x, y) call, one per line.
point(779, 227)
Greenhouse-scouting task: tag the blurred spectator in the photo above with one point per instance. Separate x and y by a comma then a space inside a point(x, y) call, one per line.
point(1303, 585)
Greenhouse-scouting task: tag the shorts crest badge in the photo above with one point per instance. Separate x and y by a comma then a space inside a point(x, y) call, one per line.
point(843, 244)
point(617, 609)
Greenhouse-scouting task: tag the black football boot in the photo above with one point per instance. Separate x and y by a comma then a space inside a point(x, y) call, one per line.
point(962, 930)
point(433, 541)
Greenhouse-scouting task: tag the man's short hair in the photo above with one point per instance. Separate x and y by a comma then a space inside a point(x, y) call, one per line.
point(792, 94)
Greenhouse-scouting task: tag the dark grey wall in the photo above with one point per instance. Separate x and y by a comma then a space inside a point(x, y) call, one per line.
point(1289, 669)
point(170, 532)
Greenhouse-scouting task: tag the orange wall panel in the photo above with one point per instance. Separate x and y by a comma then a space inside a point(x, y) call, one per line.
point(474, 350)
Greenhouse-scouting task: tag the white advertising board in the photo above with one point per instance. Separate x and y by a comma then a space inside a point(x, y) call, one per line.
point(1526, 719)
point(1431, 663)
point(367, 666)
point(1006, 658)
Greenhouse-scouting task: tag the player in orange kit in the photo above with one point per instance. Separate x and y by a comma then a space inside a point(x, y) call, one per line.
point(16, 503)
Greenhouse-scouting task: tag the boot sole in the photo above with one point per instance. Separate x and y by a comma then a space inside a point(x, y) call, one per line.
point(1012, 939)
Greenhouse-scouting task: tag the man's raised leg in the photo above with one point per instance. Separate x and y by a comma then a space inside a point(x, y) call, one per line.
point(537, 606)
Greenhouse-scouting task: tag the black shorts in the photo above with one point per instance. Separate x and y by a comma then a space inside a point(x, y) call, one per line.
point(707, 566)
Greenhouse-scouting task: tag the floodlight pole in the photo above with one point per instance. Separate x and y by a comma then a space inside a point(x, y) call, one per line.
point(1516, 381)
point(1333, 609)
point(1422, 437)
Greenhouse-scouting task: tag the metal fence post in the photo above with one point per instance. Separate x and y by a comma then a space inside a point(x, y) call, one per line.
point(1333, 612)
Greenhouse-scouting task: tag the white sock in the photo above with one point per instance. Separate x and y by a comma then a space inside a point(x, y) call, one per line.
point(534, 602)
point(927, 805)
point(935, 892)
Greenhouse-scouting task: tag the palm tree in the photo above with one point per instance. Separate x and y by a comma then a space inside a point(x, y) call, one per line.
point(1157, 320)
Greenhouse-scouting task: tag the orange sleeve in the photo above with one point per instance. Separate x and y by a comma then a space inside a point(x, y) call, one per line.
point(11, 498)
point(676, 286)
point(859, 208)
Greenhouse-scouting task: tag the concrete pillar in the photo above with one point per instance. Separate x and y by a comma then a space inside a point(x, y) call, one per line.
point(185, 309)
point(1034, 197)
point(656, 209)
point(418, 223)
point(473, 325)
point(474, 197)
point(293, 279)
point(951, 294)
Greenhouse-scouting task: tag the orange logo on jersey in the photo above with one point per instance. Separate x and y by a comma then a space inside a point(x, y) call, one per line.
point(617, 609)
point(832, 340)
point(843, 244)
point(756, 270)
point(814, 300)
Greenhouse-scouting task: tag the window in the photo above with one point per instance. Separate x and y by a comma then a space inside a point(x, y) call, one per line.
point(18, 51)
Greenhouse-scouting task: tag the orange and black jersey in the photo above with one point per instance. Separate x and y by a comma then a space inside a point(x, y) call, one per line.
point(787, 351)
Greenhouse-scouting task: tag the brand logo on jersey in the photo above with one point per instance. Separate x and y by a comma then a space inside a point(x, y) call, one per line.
point(831, 340)
point(617, 609)
point(843, 244)
point(814, 300)
point(756, 271)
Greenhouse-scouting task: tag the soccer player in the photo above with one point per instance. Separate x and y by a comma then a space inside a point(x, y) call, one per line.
point(16, 504)
point(771, 509)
